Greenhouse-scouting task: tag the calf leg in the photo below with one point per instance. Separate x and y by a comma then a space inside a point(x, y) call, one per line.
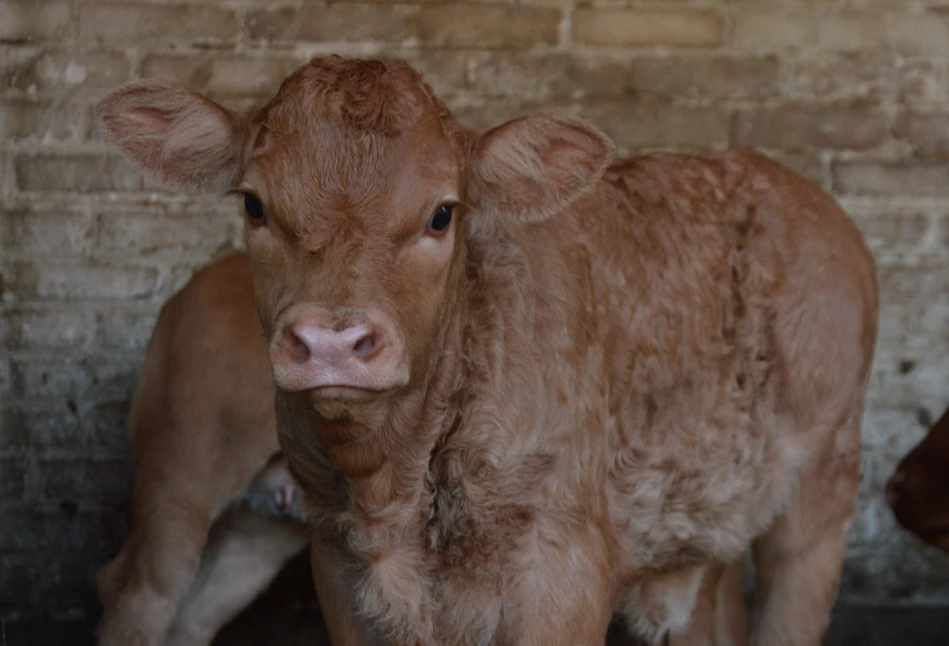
point(245, 551)
point(798, 563)
point(140, 589)
point(143, 586)
point(719, 617)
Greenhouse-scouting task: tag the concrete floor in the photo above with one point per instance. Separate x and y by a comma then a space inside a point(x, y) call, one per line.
point(851, 626)
point(287, 615)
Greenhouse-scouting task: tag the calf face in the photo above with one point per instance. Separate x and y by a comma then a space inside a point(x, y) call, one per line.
point(358, 186)
point(918, 491)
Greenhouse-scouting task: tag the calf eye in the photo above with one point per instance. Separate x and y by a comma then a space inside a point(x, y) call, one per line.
point(440, 219)
point(254, 208)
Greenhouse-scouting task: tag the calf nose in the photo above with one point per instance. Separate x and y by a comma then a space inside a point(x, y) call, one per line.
point(310, 342)
point(895, 488)
point(314, 349)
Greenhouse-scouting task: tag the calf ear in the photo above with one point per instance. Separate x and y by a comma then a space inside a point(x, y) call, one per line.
point(532, 167)
point(181, 139)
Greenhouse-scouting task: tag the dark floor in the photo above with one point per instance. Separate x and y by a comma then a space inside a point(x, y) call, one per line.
point(287, 616)
point(852, 626)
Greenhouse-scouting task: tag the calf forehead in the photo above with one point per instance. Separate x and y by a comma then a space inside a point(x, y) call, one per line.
point(320, 174)
point(349, 130)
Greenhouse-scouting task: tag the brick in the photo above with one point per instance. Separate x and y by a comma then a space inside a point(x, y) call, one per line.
point(145, 233)
point(101, 481)
point(446, 73)
point(221, 75)
point(46, 69)
point(794, 128)
point(130, 22)
point(544, 77)
point(61, 529)
point(43, 233)
point(45, 581)
point(6, 381)
point(108, 423)
point(679, 27)
point(25, 20)
point(83, 379)
point(915, 311)
point(927, 133)
point(922, 81)
point(907, 387)
point(84, 173)
point(773, 27)
point(126, 330)
point(57, 329)
point(851, 30)
point(843, 77)
point(65, 281)
point(712, 77)
point(810, 166)
point(57, 586)
point(894, 232)
point(41, 428)
point(918, 33)
point(12, 478)
point(43, 122)
point(890, 432)
point(905, 572)
point(7, 323)
point(63, 424)
point(335, 22)
point(870, 177)
point(655, 126)
point(487, 26)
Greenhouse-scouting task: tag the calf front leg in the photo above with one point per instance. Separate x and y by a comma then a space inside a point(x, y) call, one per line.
point(719, 617)
point(564, 596)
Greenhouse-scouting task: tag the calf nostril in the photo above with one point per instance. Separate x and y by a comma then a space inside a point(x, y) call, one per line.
point(366, 346)
point(297, 349)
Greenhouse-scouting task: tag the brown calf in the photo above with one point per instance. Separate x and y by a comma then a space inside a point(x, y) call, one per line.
point(212, 336)
point(523, 386)
point(214, 517)
point(918, 491)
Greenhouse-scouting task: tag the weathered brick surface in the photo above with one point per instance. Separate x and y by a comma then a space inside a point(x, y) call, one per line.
point(39, 68)
point(674, 27)
point(487, 26)
point(794, 128)
point(340, 22)
point(133, 22)
point(881, 178)
point(82, 173)
point(25, 20)
point(853, 94)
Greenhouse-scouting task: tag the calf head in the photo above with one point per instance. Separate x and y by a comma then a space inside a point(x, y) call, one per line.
point(360, 190)
point(918, 491)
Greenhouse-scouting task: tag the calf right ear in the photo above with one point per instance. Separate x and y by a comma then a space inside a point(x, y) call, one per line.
point(180, 138)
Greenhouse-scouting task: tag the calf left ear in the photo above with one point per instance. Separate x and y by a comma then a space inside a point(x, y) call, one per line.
point(529, 168)
point(180, 138)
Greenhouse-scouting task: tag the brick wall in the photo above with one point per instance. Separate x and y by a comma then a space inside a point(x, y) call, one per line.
point(855, 94)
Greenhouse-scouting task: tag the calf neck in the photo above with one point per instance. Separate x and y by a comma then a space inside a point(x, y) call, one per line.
point(525, 386)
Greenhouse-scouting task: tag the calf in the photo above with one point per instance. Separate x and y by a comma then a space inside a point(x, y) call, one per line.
point(918, 491)
point(523, 385)
point(215, 515)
